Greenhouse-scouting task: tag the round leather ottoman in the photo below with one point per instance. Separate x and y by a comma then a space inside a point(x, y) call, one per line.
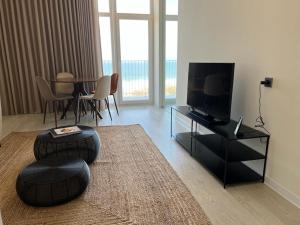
point(85, 145)
point(52, 181)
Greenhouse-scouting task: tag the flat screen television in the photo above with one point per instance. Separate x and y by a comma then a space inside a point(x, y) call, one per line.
point(210, 90)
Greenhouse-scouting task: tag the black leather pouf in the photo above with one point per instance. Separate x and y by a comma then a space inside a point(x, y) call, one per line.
point(52, 181)
point(85, 145)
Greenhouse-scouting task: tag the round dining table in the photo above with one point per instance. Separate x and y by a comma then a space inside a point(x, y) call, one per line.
point(78, 91)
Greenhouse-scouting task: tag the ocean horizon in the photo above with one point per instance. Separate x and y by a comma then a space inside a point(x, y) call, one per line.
point(133, 70)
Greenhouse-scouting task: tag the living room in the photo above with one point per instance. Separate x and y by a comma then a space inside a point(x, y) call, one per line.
point(136, 171)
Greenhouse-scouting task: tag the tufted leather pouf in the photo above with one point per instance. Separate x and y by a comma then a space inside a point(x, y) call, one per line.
point(85, 145)
point(52, 181)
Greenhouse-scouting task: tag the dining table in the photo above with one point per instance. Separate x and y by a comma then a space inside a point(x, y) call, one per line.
point(79, 90)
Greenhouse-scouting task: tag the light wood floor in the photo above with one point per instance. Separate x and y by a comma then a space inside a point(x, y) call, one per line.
point(250, 204)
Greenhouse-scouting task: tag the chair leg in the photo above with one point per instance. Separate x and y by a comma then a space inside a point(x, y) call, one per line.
point(77, 110)
point(115, 104)
point(45, 111)
point(107, 105)
point(92, 113)
point(55, 113)
point(84, 107)
point(63, 108)
point(95, 102)
point(81, 104)
point(74, 106)
point(60, 106)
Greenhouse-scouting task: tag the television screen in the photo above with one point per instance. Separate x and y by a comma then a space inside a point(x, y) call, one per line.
point(210, 88)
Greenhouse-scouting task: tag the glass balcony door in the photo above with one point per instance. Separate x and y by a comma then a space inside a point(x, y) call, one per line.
point(134, 52)
point(126, 33)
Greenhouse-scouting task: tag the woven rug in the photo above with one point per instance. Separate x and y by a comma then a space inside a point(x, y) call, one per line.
point(131, 183)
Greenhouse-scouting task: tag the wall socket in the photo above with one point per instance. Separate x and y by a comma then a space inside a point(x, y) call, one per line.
point(268, 82)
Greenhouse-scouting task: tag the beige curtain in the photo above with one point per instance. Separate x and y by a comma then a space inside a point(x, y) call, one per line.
point(42, 38)
point(0, 127)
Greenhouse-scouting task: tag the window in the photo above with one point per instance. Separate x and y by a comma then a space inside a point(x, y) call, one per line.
point(106, 47)
point(103, 6)
point(126, 34)
point(171, 34)
point(172, 7)
point(133, 6)
point(134, 59)
point(171, 59)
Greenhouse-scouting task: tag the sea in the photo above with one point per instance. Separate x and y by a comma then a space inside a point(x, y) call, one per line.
point(133, 70)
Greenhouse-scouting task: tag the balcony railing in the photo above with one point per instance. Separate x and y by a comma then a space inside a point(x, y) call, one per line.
point(170, 74)
point(135, 78)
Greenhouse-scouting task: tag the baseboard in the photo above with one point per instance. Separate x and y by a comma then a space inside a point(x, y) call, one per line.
point(278, 188)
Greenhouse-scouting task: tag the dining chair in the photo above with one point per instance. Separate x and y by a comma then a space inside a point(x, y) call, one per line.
point(63, 89)
point(114, 88)
point(48, 96)
point(101, 93)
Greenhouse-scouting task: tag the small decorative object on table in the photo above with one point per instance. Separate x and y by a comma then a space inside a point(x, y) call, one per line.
point(64, 131)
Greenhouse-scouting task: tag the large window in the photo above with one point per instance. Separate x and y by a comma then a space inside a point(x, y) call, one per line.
point(134, 59)
point(126, 44)
point(126, 34)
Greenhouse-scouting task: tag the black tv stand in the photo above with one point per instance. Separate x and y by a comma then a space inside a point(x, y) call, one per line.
point(223, 153)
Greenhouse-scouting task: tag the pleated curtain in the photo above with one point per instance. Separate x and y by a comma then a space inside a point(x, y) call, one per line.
point(43, 38)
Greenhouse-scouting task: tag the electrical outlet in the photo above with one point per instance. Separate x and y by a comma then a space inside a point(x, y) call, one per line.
point(268, 82)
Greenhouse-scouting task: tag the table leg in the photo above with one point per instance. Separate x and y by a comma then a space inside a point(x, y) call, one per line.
point(81, 89)
point(66, 109)
point(78, 91)
point(77, 111)
point(95, 109)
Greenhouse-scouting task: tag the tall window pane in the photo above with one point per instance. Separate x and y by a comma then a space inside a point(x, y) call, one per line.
point(103, 5)
point(105, 34)
point(134, 59)
point(133, 6)
point(172, 7)
point(171, 59)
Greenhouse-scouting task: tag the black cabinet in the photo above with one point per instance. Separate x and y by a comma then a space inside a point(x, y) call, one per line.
point(222, 152)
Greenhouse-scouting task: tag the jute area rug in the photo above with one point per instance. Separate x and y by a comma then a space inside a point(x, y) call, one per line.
point(131, 183)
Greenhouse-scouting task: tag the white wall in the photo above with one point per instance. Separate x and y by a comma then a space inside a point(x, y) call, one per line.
point(263, 38)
